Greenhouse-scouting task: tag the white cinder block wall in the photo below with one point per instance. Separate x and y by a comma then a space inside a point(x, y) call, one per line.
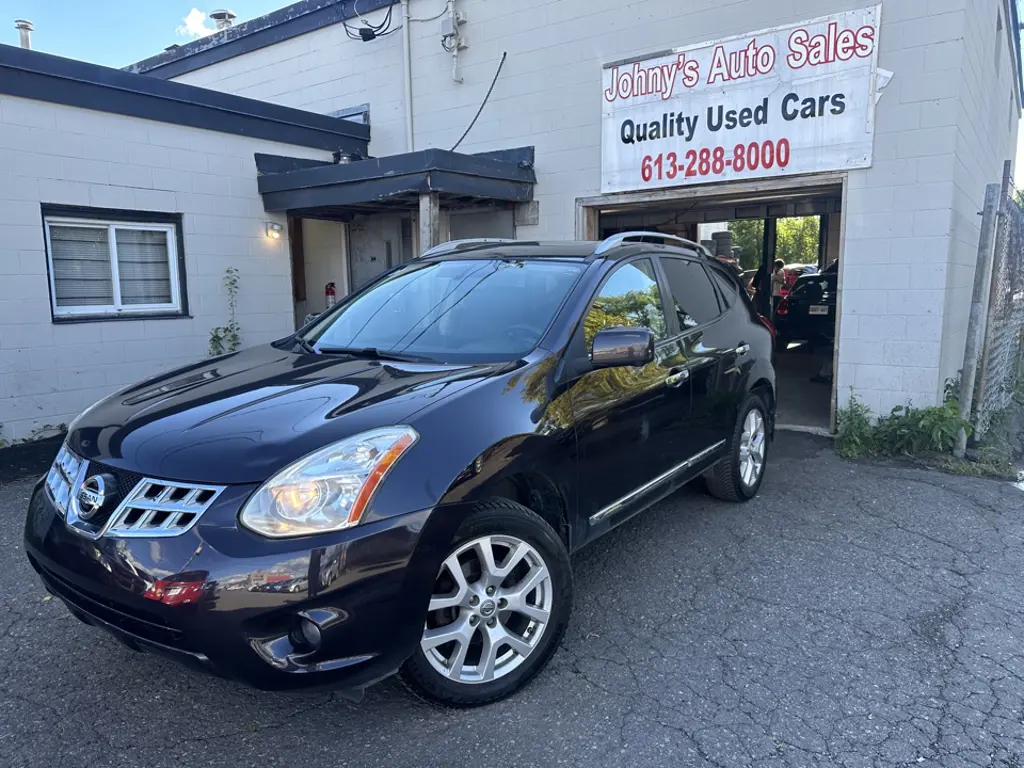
point(63, 155)
point(910, 229)
point(987, 126)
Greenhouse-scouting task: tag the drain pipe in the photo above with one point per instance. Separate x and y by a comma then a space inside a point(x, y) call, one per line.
point(407, 66)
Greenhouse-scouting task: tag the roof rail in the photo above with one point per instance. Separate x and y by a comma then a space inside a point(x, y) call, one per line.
point(458, 245)
point(624, 237)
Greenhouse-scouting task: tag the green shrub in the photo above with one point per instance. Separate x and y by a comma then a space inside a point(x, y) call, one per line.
point(913, 431)
point(906, 431)
point(228, 338)
point(855, 435)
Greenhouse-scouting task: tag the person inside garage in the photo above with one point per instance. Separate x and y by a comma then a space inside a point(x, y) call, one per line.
point(778, 282)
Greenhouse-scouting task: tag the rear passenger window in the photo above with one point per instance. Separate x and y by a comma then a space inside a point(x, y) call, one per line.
point(727, 290)
point(814, 289)
point(693, 295)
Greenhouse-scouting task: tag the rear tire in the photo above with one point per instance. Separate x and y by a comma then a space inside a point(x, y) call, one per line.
point(497, 620)
point(738, 476)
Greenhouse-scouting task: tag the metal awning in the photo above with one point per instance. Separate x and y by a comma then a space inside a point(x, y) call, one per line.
point(312, 189)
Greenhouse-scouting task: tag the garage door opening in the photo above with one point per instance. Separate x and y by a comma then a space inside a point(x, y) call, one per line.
point(750, 228)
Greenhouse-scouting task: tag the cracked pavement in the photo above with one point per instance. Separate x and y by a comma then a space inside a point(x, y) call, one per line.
point(851, 615)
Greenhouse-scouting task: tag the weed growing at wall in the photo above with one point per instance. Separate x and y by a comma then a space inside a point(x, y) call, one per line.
point(228, 338)
point(929, 434)
point(906, 431)
point(855, 435)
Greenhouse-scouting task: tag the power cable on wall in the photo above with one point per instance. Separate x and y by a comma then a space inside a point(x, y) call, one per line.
point(369, 31)
point(483, 103)
point(438, 16)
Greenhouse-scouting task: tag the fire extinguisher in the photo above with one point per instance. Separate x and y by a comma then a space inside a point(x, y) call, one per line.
point(330, 294)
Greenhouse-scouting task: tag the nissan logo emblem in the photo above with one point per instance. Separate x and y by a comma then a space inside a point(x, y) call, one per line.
point(93, 494)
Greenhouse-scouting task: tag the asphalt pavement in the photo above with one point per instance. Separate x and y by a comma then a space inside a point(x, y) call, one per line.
point(851, 615)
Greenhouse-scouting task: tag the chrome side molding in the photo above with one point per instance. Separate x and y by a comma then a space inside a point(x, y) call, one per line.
point(615, 506)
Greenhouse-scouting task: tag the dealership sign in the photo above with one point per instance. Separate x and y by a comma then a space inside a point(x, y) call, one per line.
point(789, 100)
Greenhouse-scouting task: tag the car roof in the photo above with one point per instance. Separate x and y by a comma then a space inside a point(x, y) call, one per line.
point(522, 249)
point(584, 251)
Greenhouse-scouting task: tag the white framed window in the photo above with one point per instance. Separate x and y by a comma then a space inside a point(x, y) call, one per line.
point(104, 267)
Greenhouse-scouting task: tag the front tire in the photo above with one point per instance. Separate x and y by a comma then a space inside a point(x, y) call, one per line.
point(498, 609)
point(739, 475)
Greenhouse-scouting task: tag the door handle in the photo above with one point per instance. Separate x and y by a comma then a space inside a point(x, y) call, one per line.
point(742, 349)
point(677, 376)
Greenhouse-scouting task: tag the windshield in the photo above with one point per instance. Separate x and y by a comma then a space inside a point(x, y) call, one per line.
point(452, 311)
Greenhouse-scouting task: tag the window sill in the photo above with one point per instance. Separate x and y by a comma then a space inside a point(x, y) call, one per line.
point(78, 319)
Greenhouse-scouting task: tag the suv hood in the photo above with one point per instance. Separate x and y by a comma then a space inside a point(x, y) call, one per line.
point(242, 417)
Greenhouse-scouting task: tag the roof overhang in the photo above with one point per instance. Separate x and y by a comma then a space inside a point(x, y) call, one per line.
point(337, 190)
point(44, 77)
point(291, 21)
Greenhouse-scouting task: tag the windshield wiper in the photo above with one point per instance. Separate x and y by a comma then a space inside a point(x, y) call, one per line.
point(308, 348)
point(372, 353)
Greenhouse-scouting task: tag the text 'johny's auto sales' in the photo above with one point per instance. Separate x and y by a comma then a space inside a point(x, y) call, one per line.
point(784, 101)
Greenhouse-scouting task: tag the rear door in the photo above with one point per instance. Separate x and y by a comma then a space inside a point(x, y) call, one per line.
point(713, 343)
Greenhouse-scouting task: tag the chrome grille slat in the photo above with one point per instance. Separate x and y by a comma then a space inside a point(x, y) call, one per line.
point(167, 506)
point(151, 499)
point(64, 479)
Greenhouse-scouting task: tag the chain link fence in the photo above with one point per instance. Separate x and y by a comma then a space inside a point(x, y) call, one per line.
point(1001, 369)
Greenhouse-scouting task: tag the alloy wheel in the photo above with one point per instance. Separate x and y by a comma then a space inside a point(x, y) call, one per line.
point(490, 606)
point(752, 445)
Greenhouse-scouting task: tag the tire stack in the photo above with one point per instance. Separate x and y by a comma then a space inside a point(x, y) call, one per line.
point(723, 244)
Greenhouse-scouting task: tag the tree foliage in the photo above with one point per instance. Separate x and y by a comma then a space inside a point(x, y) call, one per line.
point(796, 241)
point(749, 236)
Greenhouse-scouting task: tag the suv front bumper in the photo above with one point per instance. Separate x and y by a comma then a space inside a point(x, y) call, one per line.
point(226, 601)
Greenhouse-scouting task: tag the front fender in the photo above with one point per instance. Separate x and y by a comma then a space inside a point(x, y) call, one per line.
point(511, 424)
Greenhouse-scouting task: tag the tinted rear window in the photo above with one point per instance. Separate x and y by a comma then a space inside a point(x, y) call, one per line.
point(695, 300)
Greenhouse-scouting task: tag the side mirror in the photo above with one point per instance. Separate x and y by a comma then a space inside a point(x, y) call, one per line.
point(619, 347)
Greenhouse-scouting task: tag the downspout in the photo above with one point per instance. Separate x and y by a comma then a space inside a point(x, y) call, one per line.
point(407, 68)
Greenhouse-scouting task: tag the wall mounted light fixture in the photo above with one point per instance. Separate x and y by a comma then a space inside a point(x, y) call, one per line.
point(274, 230)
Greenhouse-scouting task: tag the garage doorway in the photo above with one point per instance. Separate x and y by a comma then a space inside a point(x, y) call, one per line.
point(740, 224)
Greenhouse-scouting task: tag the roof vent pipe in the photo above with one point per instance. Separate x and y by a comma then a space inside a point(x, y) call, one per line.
point(223, 18)
point(24, 27)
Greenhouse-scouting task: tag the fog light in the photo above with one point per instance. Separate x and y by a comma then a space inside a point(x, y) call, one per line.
point(305, 636)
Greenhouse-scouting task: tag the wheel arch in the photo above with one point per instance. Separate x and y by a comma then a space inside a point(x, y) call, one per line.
point(538, 493)
point(764, 387)
point(525, 469)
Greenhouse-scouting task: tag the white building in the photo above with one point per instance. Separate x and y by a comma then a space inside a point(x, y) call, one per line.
point(901, 196)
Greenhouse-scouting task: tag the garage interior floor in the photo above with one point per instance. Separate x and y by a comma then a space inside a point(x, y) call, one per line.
point(802, 402)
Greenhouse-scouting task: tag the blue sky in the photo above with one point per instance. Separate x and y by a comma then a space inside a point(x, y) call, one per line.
point(114, 32)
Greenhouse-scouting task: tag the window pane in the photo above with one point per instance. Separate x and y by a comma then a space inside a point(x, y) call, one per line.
point(727, 288)
point(630, 298)
point(143, 266)
point(461, 310)
point(81, 266)
point(692, 292)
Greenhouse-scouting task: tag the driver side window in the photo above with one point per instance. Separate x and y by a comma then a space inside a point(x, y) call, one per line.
point(630, 297)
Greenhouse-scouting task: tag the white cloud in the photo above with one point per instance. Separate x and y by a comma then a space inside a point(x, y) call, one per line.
point(195, 25)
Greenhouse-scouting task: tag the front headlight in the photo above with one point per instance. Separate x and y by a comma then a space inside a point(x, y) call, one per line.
point(328, 490)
